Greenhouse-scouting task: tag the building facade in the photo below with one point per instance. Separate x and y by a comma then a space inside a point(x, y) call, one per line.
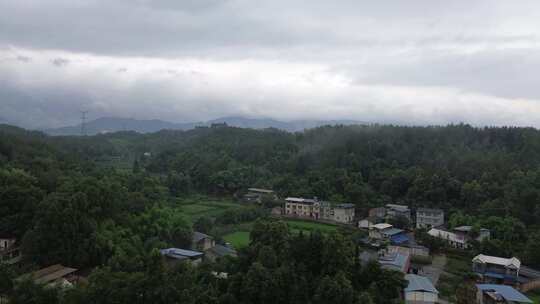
point(420, 290)
point(495, 269)
point(303, 207)
point(394, 210)
point(344, 213)
point(429, 218)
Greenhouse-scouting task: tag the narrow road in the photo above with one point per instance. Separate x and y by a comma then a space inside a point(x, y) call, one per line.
point(433, 271)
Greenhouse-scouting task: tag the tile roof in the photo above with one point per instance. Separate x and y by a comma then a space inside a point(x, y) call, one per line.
point(419, 283)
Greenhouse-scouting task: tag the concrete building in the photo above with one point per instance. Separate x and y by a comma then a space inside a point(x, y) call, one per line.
point(387, 232)
point(467, 231)
point(201, 241)
point(379, 212)
point(394, 210)
point(344, 213)
point(10, 252)
point(495, 269)
point(303, 208)
point(256, 195)
point(429, 218)
point(368, 222)
point(496, 294)
point(420, 290)
point(453, 239)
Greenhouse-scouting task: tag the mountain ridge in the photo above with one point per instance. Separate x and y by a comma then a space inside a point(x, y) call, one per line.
point(114, 124)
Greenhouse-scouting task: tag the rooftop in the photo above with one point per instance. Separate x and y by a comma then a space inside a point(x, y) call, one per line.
point(419, 283)
point(51, 273)
point(429, 210)
point(381, 226)
point(198, 236)
point(505, 292)
point(259, 190)
point(301, 200)
point(392, 231)
point(180, 254)
point(395, 261)
point(447, 235)
point(511, 262)
point(221, 250)
point(345, 206)
point(397, 207)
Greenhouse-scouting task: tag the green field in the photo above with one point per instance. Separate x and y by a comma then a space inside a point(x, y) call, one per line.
point(197, 206)
point(307, 226)
point(238, 239)
point(534, 296)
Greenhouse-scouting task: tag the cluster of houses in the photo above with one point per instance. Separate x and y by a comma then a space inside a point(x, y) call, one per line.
point(203, 246)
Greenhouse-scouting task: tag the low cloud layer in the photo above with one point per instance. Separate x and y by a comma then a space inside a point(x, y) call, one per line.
point(416, 62)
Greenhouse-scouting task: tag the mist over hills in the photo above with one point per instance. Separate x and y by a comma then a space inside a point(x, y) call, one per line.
point(114, 124)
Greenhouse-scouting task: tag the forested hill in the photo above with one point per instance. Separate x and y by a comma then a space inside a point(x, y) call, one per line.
point(456, 166)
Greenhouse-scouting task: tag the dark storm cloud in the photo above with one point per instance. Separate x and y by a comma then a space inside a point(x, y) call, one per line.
point(419, 61)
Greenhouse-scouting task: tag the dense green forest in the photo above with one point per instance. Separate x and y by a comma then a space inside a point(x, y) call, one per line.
point(107, 201)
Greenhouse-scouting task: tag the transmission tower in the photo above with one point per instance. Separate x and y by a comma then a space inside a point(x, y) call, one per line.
point(83, 123)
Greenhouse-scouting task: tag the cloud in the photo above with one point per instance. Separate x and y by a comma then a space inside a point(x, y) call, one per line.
point(413, 62)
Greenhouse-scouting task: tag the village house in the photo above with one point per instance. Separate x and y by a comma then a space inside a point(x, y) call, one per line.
point(396, 261)
point(219, 251)
point(201, 241)
point(459, 237)
point(495, 269)
point(173, 256)
point(54, 275)
point(379, 212)
point(394, 211)
point(413, 250)
point(369, 221)
point(303, 207)
point(420, 290)
point(428, 218)
point(453, 239)
point(497, 294)
point(467, 231)
point(387, 232)
point(344, 213)
point(256, 195)
point(10, 253)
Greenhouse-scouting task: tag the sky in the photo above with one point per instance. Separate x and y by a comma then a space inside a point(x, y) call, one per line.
point(414, 62)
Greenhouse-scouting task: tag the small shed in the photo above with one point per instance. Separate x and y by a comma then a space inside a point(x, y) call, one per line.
point(420, 290)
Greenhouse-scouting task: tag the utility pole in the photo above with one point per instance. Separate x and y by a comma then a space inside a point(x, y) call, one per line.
point(83, 123)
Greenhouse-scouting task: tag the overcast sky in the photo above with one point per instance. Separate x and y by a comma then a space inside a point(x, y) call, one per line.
point(408, 62)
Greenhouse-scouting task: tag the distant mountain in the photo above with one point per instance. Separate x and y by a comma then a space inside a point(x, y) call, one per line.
point(114, 124)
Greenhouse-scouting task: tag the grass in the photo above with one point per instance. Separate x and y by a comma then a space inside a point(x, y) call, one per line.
point(197, 206)
point(299, 225)
point(534, 296)
point(238, 239)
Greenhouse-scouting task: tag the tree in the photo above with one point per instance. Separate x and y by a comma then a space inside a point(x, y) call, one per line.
point(203, 224)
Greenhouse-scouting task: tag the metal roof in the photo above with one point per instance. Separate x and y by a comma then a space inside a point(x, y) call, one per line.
point(429, 210)
point(392, 231)
point(301, 200)
point(381, 226)
point(260, 190)
point(396, 261)
point(506, 292)
point(399, 239)
point(221, 250)
point(345, 206)
point(419, 283)
point(511, 262)
point(180, 254)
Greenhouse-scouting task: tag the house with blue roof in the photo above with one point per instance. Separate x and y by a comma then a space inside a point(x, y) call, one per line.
point(420, 290)
point(396, 261)
point(384, 231)
point(496, 294)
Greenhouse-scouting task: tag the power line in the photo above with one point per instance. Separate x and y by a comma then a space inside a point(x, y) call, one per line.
point(83, 123)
